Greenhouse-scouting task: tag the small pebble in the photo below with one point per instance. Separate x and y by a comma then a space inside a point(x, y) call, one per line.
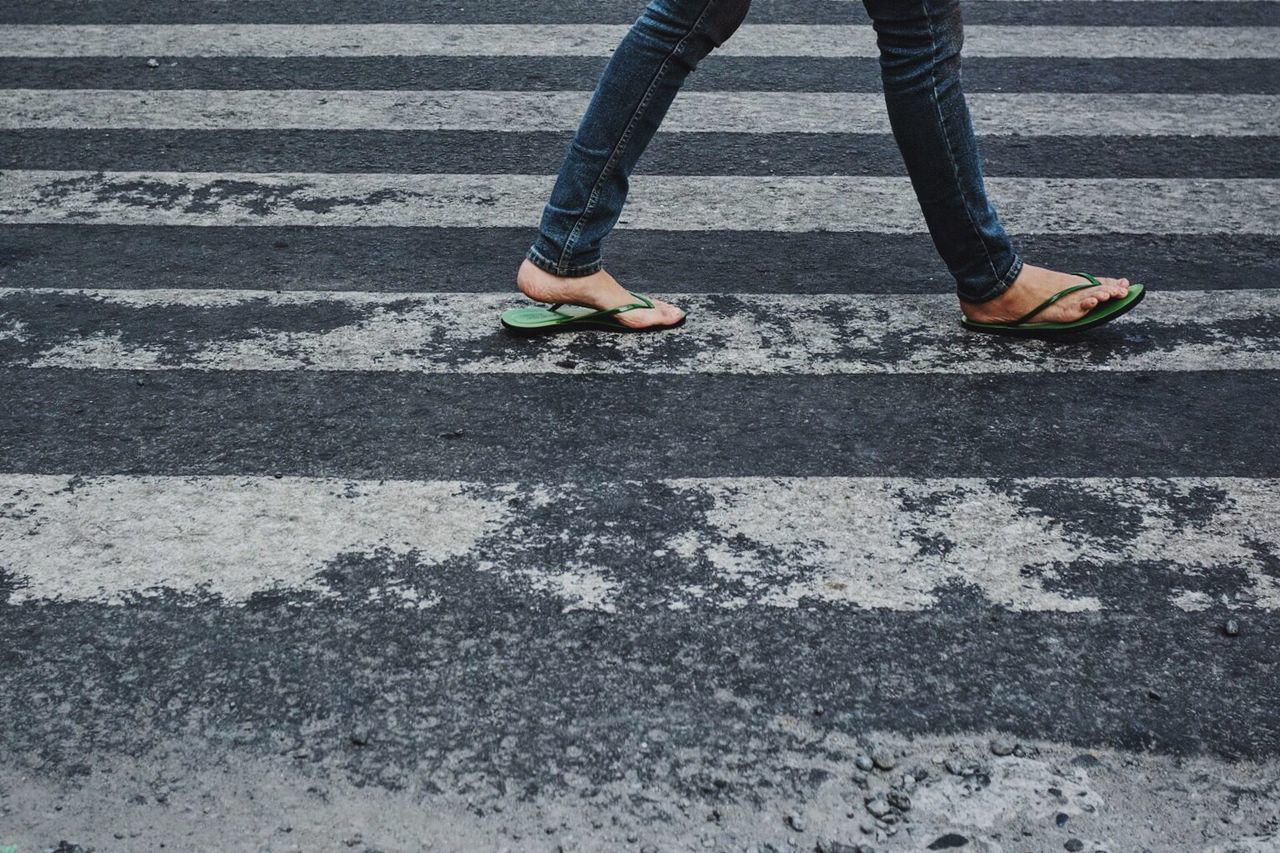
point(883, 760)
point(900, 801)
point(837, 847)
point(1002, 746)
point(1074, 845)
point(950, 841)
point(1061, 818)
point(153, 63)
point(864, 763)
point(878, 806)
point(1232, 628)
point(795, 822)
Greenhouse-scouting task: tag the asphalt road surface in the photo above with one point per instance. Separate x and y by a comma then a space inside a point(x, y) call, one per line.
point(299, 551)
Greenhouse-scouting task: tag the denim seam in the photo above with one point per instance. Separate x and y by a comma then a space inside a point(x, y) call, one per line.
point(618, 148)
point(951, 155)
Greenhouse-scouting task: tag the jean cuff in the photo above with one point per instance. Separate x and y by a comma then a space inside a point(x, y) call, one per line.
point(542, 262)
point(1002, 283)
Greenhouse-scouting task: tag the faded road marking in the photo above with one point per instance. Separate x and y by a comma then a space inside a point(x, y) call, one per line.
point(694, 112)
point(762, 334)
point(1031, 544)
point(673, 203)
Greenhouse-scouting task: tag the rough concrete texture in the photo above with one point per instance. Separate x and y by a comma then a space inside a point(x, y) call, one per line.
point(941, 794)
point(695, 596)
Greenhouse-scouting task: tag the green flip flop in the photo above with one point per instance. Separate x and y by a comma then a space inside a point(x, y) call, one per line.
point(1103, 313)
point(561, 316)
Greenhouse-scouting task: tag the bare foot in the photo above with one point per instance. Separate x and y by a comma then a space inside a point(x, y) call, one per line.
point(1036, 284)
point(598, 290)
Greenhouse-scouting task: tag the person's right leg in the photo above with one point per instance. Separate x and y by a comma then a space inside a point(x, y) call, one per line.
point(638, 85)
point(920, 42)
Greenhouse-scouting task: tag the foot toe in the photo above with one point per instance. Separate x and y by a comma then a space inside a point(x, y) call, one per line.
point(1118, 286)
point(661, 314)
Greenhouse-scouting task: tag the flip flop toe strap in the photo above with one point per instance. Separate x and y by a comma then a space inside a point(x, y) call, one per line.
point(608, 312)
point(1093, 282)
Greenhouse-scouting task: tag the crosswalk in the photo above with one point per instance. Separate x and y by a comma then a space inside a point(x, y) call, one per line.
point(250, 351)
point(759, 334)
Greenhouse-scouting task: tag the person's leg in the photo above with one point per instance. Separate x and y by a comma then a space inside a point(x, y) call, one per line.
point(638, 85)
point(920, 43)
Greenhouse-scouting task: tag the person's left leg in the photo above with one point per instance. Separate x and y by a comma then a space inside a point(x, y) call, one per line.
point(637, 87)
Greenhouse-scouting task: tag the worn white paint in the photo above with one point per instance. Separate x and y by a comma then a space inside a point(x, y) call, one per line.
point(891, 543)
point(822, 40)
point(678, 203)
point(874, 542)
point(1037, 114)
point(109, 538)
point(762, 334)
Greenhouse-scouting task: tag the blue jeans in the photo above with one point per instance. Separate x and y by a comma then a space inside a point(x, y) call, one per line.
point(919, 43)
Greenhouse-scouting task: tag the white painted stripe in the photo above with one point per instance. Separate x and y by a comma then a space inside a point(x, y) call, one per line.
point(601, 39)
point(891, 543)
point(1001, 114)
point(679, 203)
point(726, 334)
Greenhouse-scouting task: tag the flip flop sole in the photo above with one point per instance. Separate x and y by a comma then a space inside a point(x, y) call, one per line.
point(541, 321)
point(1104, 313)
